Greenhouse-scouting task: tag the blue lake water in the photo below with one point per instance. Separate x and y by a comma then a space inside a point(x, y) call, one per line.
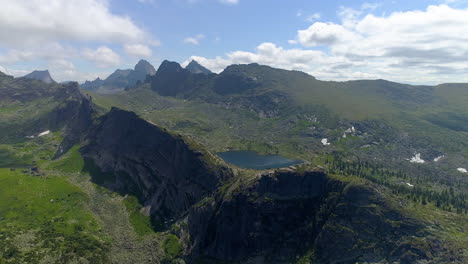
point(253, 160)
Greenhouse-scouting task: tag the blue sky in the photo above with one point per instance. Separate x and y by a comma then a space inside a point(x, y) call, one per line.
point(333, 40)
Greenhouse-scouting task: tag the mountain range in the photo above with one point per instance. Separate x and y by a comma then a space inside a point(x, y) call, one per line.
point(120, 80)
point(126, 170)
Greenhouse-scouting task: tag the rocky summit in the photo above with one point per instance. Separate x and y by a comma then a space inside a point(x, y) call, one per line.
point(40, 76)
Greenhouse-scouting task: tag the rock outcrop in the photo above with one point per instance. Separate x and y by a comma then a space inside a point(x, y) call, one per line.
point(162, 170)
point(40, 76)
point(195, 67)
point(284, 216)
point(276, 217)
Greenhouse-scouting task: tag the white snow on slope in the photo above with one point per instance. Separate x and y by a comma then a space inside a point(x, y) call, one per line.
point(44, 133)
point(325, 142)
point(417, 158)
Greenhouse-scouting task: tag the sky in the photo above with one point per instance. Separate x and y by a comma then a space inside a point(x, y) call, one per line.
point(416, 42)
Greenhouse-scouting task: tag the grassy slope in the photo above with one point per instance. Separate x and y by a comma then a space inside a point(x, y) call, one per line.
point(132, 238)
point(43, 216)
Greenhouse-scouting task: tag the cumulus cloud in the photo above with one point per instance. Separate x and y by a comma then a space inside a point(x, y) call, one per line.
point(60, 30)
point(138, 50)
point(324, 34)
point(103, 56)
point(37, 21)
point(421, 46)
point(194, 40)
point(46, 51)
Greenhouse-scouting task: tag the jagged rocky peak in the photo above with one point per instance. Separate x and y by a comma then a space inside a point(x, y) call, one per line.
point(41, 76)
point(145, 67)
point(195, 67)
point(169, 66)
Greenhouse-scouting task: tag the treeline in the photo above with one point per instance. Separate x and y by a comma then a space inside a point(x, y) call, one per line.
point(447, 199)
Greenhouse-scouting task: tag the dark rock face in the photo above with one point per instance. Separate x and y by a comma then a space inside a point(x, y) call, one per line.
point(79, 112)
point(229, 83)
point(285, 214)
point(363, 217)
point(161, 169)
point(170, 79)
point(195, 67)
point(275, 217)
point(40, 76)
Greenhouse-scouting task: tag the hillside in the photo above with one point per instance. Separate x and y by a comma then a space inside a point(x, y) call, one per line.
point(276, 111)
point(148, 187)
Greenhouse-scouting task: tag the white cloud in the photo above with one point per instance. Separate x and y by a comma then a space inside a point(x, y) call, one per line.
point(46, 51)
point(194, 40)
point(36, 21)
point(321, 33)
point(138, 50)
point(48, 32)
point(64, 70)
point(313, 17)
point(229, 2)
point(421, 46)
point(103, 57)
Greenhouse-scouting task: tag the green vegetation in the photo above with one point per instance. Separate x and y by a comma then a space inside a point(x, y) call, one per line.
point(44, 219)
point(140, 222)
point(307, 258)
point(172, 246)
point(71, 162)
point(418, 191)
point(9, 159)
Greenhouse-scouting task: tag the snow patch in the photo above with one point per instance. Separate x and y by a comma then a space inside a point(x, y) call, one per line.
point(325, 142)
point(350, 130)
point(462, 170)
point(439, 158)
point(417, 158)
point(29, 136)
point(409, 184)
point(44, 133)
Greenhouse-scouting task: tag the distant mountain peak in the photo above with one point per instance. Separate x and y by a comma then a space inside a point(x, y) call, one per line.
point(145, 67)
point(41, 76)
point(195, 67)
point(169, 66)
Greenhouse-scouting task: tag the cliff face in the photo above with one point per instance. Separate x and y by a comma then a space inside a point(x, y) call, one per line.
point(78, 113)
point(278, 217)
point(287, 215)
point(273, 219)
point(161, 169)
